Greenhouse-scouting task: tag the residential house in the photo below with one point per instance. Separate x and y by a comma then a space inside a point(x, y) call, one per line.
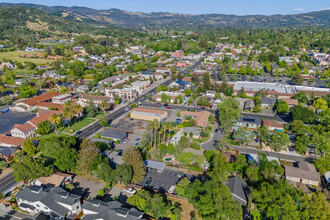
point(201, 118)
point(53, 75)
point(268, 102)
point(114, 157)
point(114, 210)
point(291, 102)
point(55, 202)
point(7, 153)
point(253, 64)
point(96, 100)
point(210, 93)
point(114, 134)
point(195, 132)
point(178, 83)
point(248, 121)
point(240, 190)
point(148, 114)
point(9, 141)
point(178, 54)
point(273, 125)
point(176, 138)
point(27, 104)
point(56, 179)
point(289, 60)
point(304, 173)
point(83, 89)
point(158, 96)
point(163, 70)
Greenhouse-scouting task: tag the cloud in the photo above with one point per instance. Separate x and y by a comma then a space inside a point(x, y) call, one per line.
point(298, 9)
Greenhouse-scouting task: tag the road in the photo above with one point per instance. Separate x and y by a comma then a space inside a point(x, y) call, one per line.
point(7, 182)
point(116, 114)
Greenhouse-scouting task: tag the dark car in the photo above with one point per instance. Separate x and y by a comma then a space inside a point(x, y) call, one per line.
point(78, 132)
point(147, 183)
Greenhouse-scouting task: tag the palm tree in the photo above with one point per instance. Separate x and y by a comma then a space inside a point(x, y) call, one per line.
point(156, 127)
point(78, 110)
point(68, 114)
point(55, 120)
point(165, 127)
point(104, 106)
point(68, 104)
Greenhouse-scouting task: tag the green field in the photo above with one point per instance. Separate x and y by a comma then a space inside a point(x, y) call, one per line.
point(16, 56)
point(78, 125)
point(55, 135)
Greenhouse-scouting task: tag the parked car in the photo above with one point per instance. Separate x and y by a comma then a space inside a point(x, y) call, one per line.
point(147, 183)
point(126, 141)
point(130, 190)
point(168, 107)
point(137, 139)
point(78, 132)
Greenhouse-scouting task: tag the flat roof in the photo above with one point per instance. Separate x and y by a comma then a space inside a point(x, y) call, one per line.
point(154, 164)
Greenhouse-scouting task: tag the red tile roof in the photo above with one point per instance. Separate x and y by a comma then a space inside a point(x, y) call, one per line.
point(15, 141)
point(201, 117)
point(42, 117)
point(50, 104)
point(41, 98)
point(25, 127)
point(94, 97)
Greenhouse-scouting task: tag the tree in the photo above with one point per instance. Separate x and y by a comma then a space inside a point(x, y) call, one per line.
point(314, 206)
point(322, 164)
point(78, 110)
point(229, 112)
point(219, 169)
point(104, 106)
point(29, 147)
point(298, 79)
point(68, 114)
point(27, 91)
point(181, 186)
point(243, 136)
point(55, 119)
point(85, 157)
point(279, 140)
point(28, 168)
point(187, 92)
point(91, 109)
point(320, 104)
point(65, 159)
point(301, 97)
point(206, 81)
point(281, 107)
point(104, 121)
point(44, 128)
point(203, 101)
point(304, 114)
point(132, 157)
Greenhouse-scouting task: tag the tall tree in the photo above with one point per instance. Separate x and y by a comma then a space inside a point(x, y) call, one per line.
point(133, 158)
point(55, 119)
point(229, 112)
point(85, 157)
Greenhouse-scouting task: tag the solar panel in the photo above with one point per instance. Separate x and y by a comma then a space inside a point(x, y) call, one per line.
point(249, 119)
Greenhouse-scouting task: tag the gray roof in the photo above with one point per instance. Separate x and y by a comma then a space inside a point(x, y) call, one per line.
point(304, 170)
point(195, 131)
point(50, 197)
point(111, 210)
point(268, 101)
point(113, 156)
point(154, 164)
point(239, 189)
point(114, 134)
point(7, 151)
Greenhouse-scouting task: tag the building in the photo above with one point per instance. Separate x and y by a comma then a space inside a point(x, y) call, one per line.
point(304, 173)
point(172, 95)
point(289, 60)
point(114, 134)
point(63, 98)
point(9, 141)
point(248, 121)
point(201, 118)
point(114, 210)
point(56, 179)
point(273, 125)
point(240, 190)
point(125, 93)
point(27, 104)
point(155, 165)
point(27, 130)
point(114, 157)
point(55, 202)
point(291, 102)
point(96, 100)
point(148, 114)
point(163, 70)
point(7, 153)
point(195, 131)
point(178, 54)
point(268, 102)
point(83, 89)
point(253, 64)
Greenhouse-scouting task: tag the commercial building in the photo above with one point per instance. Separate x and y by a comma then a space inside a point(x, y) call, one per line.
point(63, 98)
point(148, 114)
point(114, 134)
point(172, 95)
point(155, 165)
point(97, 100)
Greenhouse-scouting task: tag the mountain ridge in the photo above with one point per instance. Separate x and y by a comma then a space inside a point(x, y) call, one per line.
point(168, 19)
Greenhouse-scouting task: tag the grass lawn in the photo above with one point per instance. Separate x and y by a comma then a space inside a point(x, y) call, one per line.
point(55, 135)
point(78, 125)
point(16, 56)
point(100, 115)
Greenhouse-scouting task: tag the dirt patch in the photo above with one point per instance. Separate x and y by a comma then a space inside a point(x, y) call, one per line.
point(186, 207)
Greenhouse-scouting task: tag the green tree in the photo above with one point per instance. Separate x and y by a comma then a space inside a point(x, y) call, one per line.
point(27, 91)
point(132, 157)
point(279, 140)
point(29, 147)
point(104, 106)
point(91, 110)
point(281, 107)
point(243, 136)
point(304, 114)
point(301, 97)
point(181, 186)
point(206, 81)
point(85, 157)
point(320, 104)
point(187, 92)
point(44, 128)
point(314, 206)
point(322, 164)
point(65, 159)
point(229, 112)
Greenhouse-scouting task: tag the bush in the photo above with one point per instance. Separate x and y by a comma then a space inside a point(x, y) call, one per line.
point(3, 164)
point(196, 146)
point(186, 158)
point(117, 141)
point(100, 192)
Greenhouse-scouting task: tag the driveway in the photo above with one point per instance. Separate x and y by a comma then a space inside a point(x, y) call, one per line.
point(9, 119)
point(86, 187)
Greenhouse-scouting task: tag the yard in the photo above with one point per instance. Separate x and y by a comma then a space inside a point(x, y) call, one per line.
point(77, 126)
point(17, 56)
point(54, 135)
point(187, 208)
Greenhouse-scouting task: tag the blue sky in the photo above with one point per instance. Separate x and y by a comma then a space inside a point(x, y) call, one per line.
point(237, 7)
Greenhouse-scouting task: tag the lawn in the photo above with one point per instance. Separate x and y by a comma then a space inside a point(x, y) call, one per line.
point(78, 125)
point(55, 135)
point(16, 56)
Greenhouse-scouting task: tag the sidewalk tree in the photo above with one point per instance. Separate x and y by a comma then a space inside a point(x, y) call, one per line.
point(55, 119)
point(279, 140)
point(104, 106)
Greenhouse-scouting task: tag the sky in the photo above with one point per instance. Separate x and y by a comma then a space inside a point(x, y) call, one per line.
point(237, 7)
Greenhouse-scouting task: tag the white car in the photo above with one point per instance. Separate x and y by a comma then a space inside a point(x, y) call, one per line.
point(130, 190)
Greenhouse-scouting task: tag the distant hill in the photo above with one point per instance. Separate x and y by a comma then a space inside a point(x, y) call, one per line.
point(139, 19)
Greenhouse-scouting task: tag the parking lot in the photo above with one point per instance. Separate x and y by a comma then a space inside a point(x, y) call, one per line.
point(9, 119)
point(163, 181)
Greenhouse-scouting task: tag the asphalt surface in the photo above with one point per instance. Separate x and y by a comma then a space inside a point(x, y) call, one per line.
point(9, 119)
point(7, 183)
point(114, 115)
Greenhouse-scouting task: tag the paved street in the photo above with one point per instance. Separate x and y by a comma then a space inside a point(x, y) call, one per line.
point(7, 182)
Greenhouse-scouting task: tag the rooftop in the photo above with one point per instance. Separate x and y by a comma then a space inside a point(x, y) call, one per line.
point(303, 171)
point(14, 141)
